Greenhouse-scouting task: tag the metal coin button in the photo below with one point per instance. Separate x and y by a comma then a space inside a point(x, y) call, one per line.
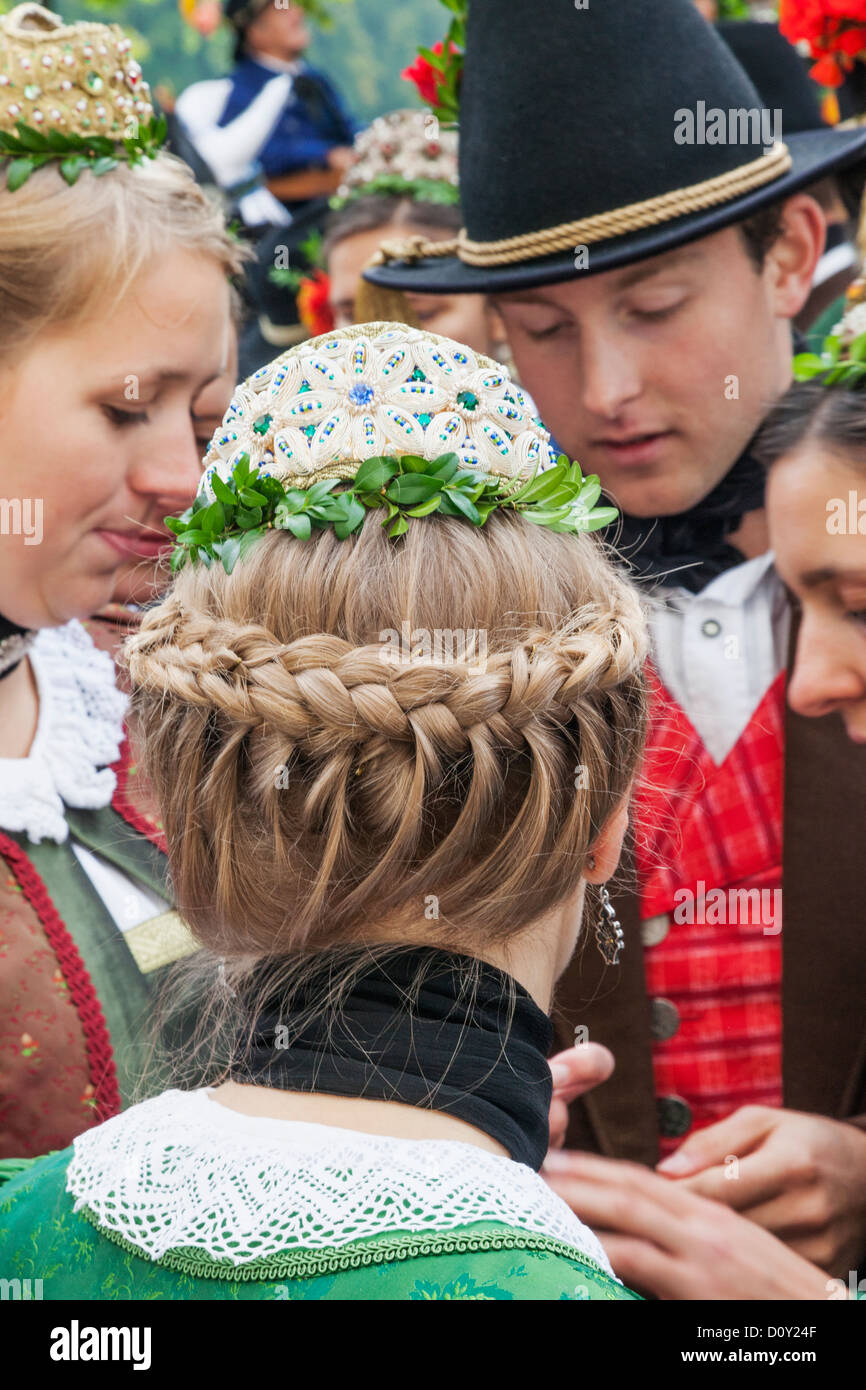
point(675, 1117)
point(654, 929)
point(664, 1019)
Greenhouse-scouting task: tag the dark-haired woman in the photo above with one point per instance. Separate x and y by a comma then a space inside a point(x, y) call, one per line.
point(814, 443)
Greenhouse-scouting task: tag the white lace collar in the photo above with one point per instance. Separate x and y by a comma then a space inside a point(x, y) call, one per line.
point(79, 734)
point(184, 1172)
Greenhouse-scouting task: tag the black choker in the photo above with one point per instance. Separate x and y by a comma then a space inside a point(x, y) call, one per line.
point(467, 1040)
point(690, 549)
point(14, 644)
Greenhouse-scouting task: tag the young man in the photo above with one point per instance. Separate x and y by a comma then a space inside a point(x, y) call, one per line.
point(643, 228)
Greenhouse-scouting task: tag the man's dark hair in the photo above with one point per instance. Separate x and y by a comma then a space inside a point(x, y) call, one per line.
point(760, 232)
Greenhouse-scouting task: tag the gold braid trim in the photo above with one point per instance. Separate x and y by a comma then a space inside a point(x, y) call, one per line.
point(722, 188)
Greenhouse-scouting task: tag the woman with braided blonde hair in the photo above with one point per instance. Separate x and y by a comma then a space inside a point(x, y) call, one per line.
point(391, 709)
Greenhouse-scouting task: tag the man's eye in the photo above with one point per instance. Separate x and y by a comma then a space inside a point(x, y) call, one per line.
point(123, 418)
point(858, 616)
point(549, 332)
point(657, 314)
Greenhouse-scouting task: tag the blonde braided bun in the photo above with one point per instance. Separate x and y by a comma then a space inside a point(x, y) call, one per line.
point(315, 781)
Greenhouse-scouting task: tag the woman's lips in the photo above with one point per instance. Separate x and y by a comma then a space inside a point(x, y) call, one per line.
point(138, 545)
point(635, 449)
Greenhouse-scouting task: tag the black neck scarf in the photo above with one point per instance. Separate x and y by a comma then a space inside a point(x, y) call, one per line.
point(9, 629)
point(467, 1040)
point(691, 548)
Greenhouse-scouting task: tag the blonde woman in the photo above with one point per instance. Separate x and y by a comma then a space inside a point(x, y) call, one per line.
point(114, 300)
point(388, 763)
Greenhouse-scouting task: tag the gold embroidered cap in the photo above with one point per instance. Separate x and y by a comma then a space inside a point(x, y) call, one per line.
point(76, 79)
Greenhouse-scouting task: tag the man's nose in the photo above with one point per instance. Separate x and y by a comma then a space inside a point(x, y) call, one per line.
point(609, 377)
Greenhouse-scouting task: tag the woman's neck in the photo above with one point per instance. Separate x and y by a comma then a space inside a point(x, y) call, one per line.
point(390, 1118)
point(19, 711)
point(535, 959)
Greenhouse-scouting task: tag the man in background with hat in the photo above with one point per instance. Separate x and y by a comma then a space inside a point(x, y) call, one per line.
point(648, 247)
point(275, 117)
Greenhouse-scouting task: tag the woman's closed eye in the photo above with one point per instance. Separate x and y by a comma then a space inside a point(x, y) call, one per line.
point(122, 418)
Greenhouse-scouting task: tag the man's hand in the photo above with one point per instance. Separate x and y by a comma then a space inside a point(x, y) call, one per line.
point(664, 1240)
point(575, 1071)
point(803, 1177)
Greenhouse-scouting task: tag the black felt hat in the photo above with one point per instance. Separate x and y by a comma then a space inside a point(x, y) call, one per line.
point(574, 152)
point(780, 75)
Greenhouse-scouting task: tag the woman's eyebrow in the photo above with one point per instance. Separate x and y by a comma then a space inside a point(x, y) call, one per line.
point(813, 578)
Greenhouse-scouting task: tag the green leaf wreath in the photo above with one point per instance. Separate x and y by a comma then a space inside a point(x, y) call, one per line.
point(251, 503)
point(31, 148)
point(423, 190)
point(835, 365)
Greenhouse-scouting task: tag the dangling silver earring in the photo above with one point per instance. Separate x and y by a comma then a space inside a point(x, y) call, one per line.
point(609, 935)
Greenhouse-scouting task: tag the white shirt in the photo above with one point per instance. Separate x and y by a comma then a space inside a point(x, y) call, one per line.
point(720, 650)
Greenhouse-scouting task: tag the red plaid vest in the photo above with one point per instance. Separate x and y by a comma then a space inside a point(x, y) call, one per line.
point(709, 856)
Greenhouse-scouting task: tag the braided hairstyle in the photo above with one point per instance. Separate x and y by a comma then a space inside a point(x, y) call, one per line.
point(313, 783)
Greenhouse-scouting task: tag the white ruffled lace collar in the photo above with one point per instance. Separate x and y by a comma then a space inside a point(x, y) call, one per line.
point(79, 734)
point(184, 1172)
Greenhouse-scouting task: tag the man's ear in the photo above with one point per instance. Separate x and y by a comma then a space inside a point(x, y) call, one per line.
point(791, 260)
point(606, 848)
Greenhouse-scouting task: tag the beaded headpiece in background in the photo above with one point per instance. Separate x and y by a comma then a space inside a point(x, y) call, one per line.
point(403, 153)
point(70, 92)
point(400, 420)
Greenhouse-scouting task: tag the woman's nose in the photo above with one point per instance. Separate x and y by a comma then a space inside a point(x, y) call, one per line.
point(169, 465)
point(826, 673)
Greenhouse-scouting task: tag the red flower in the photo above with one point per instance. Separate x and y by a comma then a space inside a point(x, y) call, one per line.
point(314, 303)
point(827, 72)
point(835, 31)
point(427, 79)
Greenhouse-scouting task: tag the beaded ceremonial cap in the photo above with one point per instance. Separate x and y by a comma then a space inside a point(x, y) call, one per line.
point(377, 416)
point(377, 389)
point(75, 78)
point(403, 153)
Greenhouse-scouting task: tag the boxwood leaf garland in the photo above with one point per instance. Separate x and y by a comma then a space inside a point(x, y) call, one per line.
point(250, 503)
point(30, 149)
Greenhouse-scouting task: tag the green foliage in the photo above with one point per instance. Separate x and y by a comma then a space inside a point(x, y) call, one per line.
point(734, 9)
point(251, 503)
point(449, 63)
point(835, 365)
point(395, 186)
point(30, 149)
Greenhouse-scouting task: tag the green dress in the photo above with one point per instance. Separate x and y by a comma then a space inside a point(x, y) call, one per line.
point(181, 1198)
